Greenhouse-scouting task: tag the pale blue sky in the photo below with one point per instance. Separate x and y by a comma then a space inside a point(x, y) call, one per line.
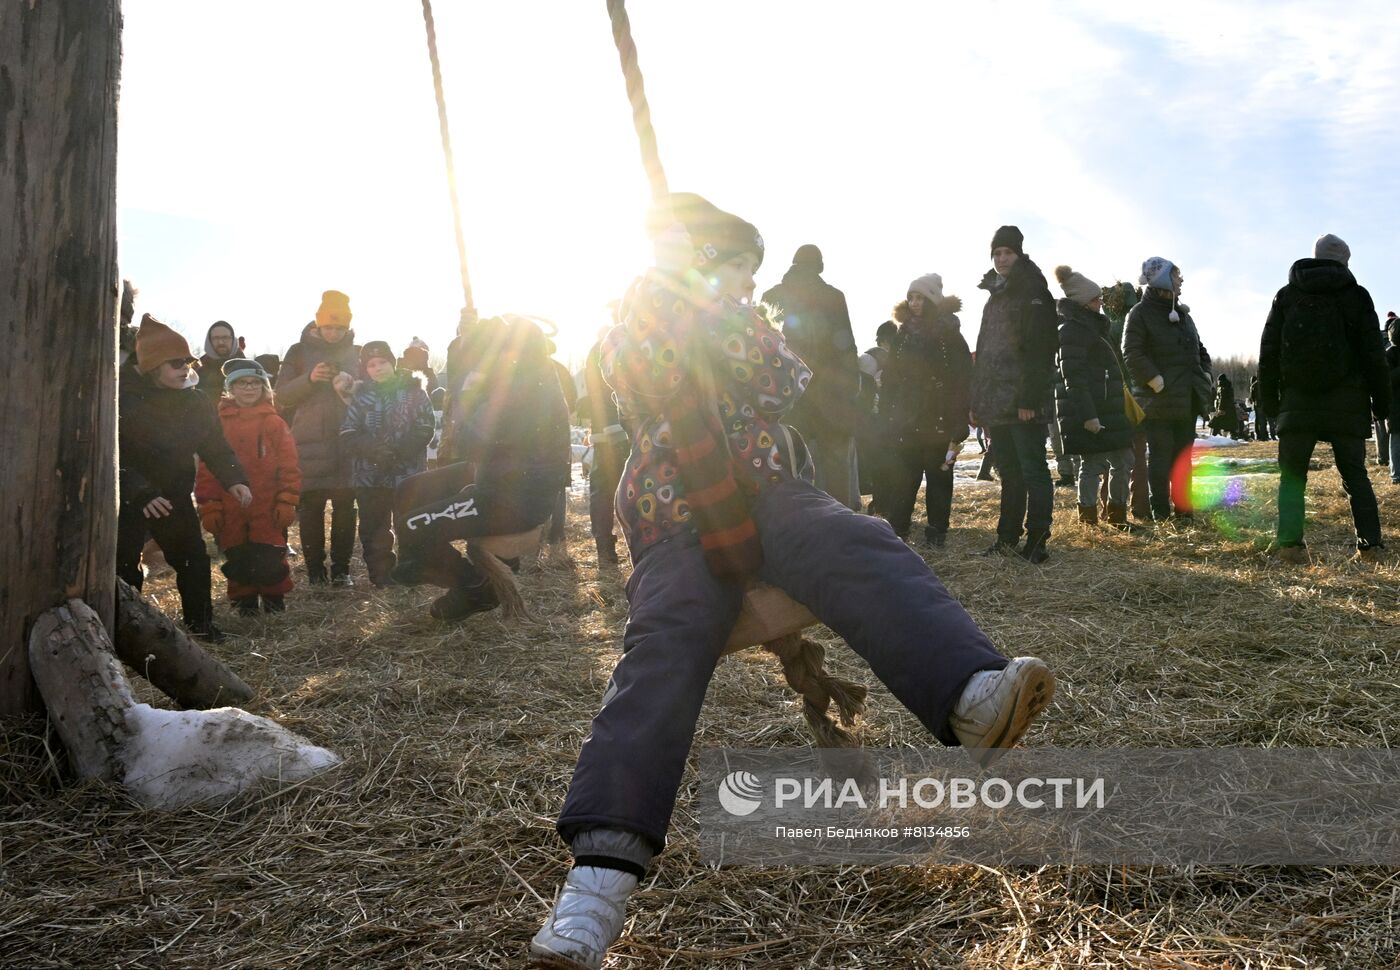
point(271, 150)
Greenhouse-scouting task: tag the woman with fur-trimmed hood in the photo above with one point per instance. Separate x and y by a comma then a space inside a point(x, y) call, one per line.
point(926, 386)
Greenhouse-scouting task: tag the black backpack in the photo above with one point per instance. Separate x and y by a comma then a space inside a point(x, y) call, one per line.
point(1316, 354)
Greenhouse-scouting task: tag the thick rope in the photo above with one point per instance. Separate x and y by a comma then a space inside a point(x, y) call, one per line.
point(468, 304)
point(636, 94)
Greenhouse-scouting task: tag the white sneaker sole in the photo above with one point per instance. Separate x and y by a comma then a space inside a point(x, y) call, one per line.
point(1033, 691)
point(543, 959)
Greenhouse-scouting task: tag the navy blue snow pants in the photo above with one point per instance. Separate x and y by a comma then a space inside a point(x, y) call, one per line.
point(850, 570)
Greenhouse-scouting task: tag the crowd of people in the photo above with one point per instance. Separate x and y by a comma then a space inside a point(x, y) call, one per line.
point(734, 442)
point(242, 448)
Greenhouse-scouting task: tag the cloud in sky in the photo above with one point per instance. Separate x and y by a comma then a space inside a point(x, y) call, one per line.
point(270, 151)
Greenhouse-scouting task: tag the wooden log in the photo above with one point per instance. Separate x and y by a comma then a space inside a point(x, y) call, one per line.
point(59, 68)
point(165, 759)
point(84, 687)
point(150, 643)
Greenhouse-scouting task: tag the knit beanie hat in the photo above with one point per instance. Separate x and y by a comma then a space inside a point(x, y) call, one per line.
point(929, 286)
point(1157, 273)
point(1077, 286)
point(335, 308)
point(1331, 247)
point(808, 254)
point(716, 234)
point(239, 367)
point(1011, 238)
point(415, 356)
point(376, 348)
point(156, 343)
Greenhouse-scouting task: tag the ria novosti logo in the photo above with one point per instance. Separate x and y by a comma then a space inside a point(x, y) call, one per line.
point(740, 793)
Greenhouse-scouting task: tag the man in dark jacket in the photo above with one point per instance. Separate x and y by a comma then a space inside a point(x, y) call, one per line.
point(1225, 418)
point(873, 444)
point(611, 443)
point(1392, 363)
point(1171, 382)
point(816, 324)
point(1011, 391)
point(163, 424)
point(1383, 426)
point(512, 432)
point(313, 390)
point(1322, 369)
point(1263, 421)
point(220, 345)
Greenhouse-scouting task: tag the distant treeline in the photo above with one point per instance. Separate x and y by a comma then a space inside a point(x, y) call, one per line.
point(1240, 369)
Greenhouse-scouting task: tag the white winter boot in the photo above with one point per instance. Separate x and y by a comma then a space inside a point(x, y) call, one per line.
point(997, 706)
point(587, 918)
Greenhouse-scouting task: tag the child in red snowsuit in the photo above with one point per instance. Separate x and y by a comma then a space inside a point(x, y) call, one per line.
point(254, 539)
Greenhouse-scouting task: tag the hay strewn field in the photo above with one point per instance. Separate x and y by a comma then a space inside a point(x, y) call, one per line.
point(433, 846)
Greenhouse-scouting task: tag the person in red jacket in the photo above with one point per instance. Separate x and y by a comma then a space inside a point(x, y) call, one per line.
point(254, 539)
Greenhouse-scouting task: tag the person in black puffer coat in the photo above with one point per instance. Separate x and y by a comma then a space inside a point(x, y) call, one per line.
point(313, 390)
point(1322, 370)
point(873, 447)
point(1089, 402)
point(1225, 417)
point(1171, 381)
point(817, 327)
point(1392, 363)
point(1011, 392)
point(164, 423)
point(925, 394)
point(1263, 422)
point(512, 443)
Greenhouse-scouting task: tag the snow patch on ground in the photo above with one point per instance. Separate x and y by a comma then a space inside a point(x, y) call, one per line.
point(179, 758)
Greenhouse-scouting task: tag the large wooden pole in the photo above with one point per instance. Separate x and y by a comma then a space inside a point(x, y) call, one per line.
point(60, 61)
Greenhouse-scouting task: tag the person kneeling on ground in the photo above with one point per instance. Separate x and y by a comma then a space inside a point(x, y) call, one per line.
point(708, 503)
point(511, 443)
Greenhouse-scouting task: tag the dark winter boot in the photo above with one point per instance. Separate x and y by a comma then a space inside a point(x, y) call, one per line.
point(316, 574)
point(935, 538)
point(460, 603)
point(342, 580)
point(1034, 551)
point(607, 549)
point(1117, 517)
point(247, 606)
point(1000, 548)
point(1089, 515)
point(439, 567)
point(193, 581)
point(274, 604)
point(207, 631)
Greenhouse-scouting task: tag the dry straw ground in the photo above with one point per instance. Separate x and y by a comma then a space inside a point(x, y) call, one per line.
point(433, 846)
